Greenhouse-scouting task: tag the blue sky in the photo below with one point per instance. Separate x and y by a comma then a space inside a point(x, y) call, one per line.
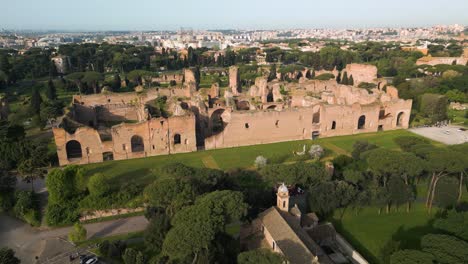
point(215, 14)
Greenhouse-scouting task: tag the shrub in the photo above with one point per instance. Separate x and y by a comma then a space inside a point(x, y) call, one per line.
point(316, 151)
point(27, 207)
point(260, 162)
point(78, 233)
point(325, 77)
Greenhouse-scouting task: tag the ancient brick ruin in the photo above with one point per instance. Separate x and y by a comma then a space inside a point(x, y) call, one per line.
point(119, 126)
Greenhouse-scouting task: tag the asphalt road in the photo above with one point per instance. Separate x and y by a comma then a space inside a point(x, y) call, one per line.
point(33, 245)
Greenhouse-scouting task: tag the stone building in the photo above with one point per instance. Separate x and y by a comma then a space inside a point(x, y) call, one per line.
point(299, 237)
point(429, 60)
point(118, 126)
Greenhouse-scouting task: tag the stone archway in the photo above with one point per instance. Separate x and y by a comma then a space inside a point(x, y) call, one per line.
point(400, 118)
point(361, 122)
point(243, 105)
point(217, 122)
point(137, 144)
point(74, 151)
point(177, 139)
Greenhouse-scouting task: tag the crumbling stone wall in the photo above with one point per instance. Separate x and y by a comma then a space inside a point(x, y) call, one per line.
point(429, 60)
point(234, 80)
point(361, 73)
point(158, 135)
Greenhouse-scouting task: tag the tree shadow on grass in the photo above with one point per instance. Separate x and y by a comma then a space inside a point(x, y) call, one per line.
point(371, 258)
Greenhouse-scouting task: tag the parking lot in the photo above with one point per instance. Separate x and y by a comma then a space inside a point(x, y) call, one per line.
point(449, 135)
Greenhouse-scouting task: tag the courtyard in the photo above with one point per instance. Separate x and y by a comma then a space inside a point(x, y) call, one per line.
point(449, 135)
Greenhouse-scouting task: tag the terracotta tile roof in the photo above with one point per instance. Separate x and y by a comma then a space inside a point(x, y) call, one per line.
point(293, 241)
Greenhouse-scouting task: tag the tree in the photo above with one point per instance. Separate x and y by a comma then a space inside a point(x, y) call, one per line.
point(171, 194)
point(196, 227)
point(156, 232)
point(132, 256)
point(344, 80)
point(36, 100)
point(455, 223)
point(99, 185)
point(116, 83)
point(338, 77)
point(360, 147)
point(260, 256)
point(443, 163)
point(302, 174)
point(411, 257)
point(407, 142)
point(78, 233)
point(51, 92)
point(351, 80)
point(7, 256)
point(272, 75)
point(446, 249)
point(434, 106)
point(92, 78)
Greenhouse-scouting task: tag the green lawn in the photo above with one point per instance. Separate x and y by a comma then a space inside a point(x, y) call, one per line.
point(240, 157)
point(369, 232)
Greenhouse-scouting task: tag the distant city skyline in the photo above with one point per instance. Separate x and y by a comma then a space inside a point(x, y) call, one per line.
point(100, 15)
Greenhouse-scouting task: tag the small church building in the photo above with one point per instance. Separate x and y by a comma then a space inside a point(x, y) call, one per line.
point(299, 237)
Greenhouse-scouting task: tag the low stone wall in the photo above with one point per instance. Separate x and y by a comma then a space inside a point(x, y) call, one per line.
point(111, 212)
point(349, 250)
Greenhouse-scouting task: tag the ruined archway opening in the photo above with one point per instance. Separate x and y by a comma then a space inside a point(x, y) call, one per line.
point(270, 98)
point(382, 113)
point(316, 118)
point(243, 106)
point(333, 127)
point(137, 144)
point(271, 107)
point(361, 122)
point(400, 119)
point(217, 122)
point(74, 151)
point(177, 139)
point(107, 156)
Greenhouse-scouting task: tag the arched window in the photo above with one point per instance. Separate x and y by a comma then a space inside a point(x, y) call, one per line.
point(270, 97)
point(137, 144)
point(316, 118)
point(400, 119)
point(176, 139)
point(333, 125)
point(361, 122)
point(74, 151)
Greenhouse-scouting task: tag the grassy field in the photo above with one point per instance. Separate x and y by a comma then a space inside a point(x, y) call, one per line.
point(367, 230)
point(241, 157)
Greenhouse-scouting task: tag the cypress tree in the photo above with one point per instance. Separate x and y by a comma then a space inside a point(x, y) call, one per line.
point(116, 83)
point(351, 80)
point(345, 79)
point(338, 78)
point(272, 75)
point(313, 74)
point(36, 101)
point(51, 92)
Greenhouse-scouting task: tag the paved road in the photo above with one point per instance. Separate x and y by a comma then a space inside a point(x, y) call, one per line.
point(30, 243)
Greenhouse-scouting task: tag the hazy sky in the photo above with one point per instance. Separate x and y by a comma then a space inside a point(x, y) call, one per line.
point(216, 14)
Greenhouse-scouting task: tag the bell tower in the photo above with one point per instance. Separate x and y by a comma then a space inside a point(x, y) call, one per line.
point(282, 198)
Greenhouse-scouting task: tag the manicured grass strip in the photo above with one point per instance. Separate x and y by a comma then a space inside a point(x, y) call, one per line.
point(144, 170)
point(209, 162)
